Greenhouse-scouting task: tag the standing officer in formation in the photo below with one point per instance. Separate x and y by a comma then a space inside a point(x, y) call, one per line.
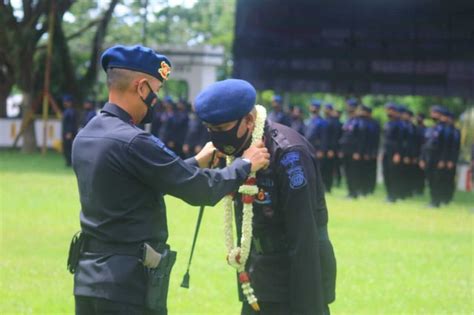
point(69, 127)
point(196, 137)
point(407, 153)
point(121, 260)
point(419, 174)
point(334, 128)
point(292, 265)
point(369, 134)
point(350, 147)
point(297, 122)
point(451, 156)
point(317, 135)
point(278, 115)
point(88, 112)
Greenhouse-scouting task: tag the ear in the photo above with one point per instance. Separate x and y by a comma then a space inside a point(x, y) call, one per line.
point(250, 119)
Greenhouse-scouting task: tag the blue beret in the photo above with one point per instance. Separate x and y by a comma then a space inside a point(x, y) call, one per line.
point(67, 98)
point(316, 103)
point(277, 98)
point(439, 109)
point(137, 58)
point(352, 102)
point(402, 108)
point(168, 99)
point(329, 106)
point(391, 106)
point(225, 101)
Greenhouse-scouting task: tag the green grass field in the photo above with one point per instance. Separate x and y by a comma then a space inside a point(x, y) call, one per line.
point(392, 259)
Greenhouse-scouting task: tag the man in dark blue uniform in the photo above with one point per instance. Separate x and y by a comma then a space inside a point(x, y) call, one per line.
point(297, 122)
point(370, 132)
point(69, 127)
point(123, 173)
point(350, 145)
point(419, 175)
point(407, 154)
point(431, 159)
point(278, 115)
point(333, 135)
point(317, 135)
point(292, 264)
point(196, 136)
point(336, 114)
point(391, 155)
point(88, 112)
point(450, 154)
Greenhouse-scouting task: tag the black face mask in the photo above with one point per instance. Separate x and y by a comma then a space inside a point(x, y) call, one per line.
point(149, 104)
point(228, 142)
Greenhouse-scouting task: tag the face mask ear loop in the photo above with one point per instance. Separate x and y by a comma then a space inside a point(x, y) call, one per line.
point(150, 97)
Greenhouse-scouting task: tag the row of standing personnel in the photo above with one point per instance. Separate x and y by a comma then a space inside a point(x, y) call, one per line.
point(412, 153)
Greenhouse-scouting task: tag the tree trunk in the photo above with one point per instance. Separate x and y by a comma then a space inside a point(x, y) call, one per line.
point(28, 125)
point(4, 92)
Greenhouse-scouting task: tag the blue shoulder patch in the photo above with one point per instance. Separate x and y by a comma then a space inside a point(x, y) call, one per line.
point(291, 161)
point(162, 146)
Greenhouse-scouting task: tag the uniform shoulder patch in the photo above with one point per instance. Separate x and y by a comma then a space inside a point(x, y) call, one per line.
point(162, 146)
point(291, 162)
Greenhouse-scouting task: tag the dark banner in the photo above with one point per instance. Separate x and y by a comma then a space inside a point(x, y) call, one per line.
point(357, 46)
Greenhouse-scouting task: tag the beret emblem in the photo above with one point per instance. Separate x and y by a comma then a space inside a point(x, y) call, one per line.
point(164, 70)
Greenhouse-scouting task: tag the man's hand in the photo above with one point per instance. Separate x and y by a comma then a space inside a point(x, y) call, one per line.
point(406, 160)
point(319, 154)
point(356, 156)
point(69, 135)
point(396, 158)
point(170, 144)
point(330, 154)
point(258, 156)
point(450, 165)
point(204, 156)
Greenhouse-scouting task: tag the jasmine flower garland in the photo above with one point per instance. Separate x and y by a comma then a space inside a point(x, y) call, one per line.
point(237, 256)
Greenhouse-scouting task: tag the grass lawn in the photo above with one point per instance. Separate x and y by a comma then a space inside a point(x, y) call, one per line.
point(392, 259)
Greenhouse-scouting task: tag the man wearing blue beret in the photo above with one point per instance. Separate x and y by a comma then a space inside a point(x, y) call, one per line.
point(291, 266)
point(121, 260)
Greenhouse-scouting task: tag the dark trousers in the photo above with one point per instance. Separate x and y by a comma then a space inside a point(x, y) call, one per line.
point(67, 150)
point(372, 176)
point(350, 170)
point(269, 308)
point(392, 176)
point(327, 171)
point(97, 306)
point(435, 184)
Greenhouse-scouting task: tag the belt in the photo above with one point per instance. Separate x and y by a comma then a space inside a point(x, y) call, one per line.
point(95, 245)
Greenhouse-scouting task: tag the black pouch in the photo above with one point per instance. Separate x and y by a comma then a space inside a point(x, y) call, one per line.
point(158, 281)
point(75, 250)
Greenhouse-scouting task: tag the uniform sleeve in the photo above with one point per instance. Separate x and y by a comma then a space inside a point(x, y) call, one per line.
point(298, 191)
point(160, 168)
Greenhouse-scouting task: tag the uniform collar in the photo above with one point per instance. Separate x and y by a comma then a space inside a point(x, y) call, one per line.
point(114, 110)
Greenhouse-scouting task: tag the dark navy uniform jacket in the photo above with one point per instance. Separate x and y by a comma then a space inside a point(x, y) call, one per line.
point(409, 139)
point(349, 140)
point(123, 173)
point(334, 132)
point(197, 133)
point(392, 137)
point(69, 121)
point(368, 143)
point(433, 147)
point(291, 260)
point(452, 140)
point(317, 133)
point(279, 117)
point(88, 115)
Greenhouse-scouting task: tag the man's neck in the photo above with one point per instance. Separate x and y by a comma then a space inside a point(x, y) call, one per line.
point(122, 101)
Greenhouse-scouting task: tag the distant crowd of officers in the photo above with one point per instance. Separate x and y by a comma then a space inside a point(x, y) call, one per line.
point(411, 153)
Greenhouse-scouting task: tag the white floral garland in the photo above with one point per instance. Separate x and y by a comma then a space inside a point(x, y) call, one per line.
point(237, 256)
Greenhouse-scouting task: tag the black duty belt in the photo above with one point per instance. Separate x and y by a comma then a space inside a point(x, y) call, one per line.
point(94, 245)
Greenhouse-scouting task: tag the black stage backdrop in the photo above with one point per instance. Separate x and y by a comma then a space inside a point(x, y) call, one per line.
point(405, 47)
